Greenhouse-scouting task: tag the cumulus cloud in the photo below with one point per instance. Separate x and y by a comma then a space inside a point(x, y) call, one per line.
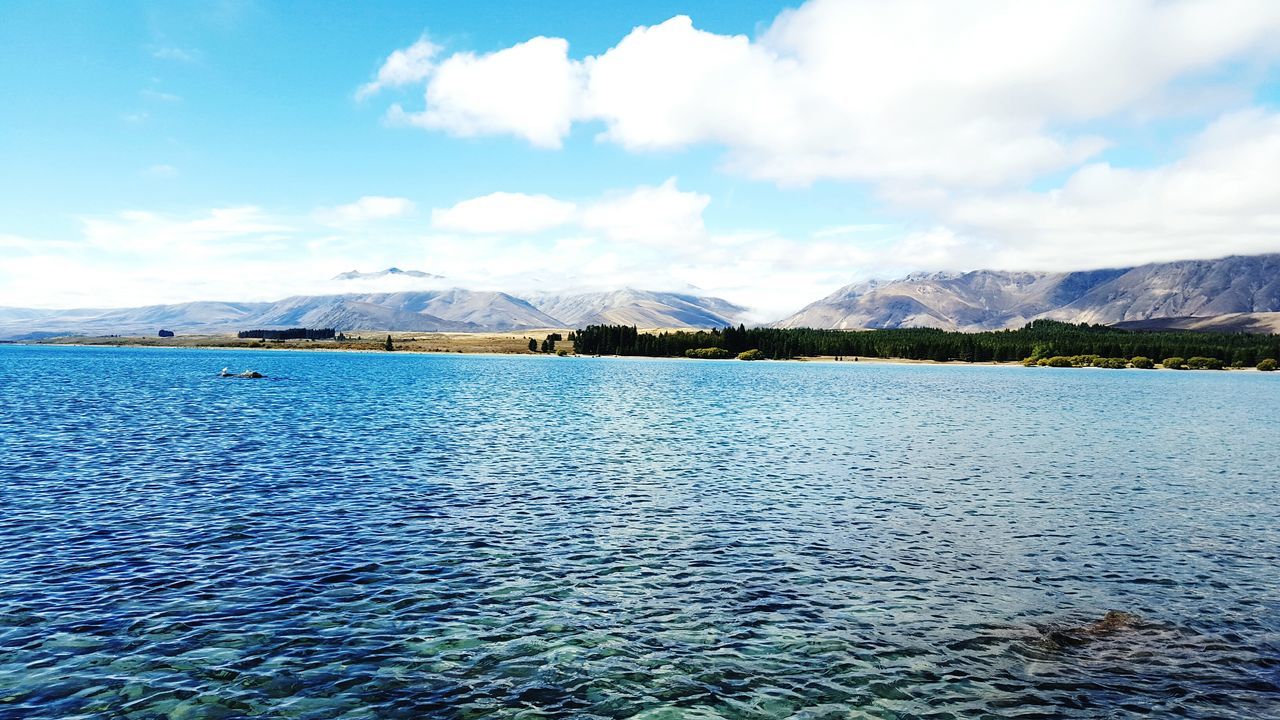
point(367, 208)
point(1222, 197)
point(504, 212)
point(660, 215)
point(218, 230)
point(654, 215)
point(651, 237)
point(402, 67)
point(241, 253)
point(531, 90)
point(912, 92)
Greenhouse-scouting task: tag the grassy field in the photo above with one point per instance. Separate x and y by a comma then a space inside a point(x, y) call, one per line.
point(508, 343)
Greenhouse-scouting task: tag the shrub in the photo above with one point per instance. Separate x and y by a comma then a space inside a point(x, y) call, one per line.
point(1084, 360)
point(1174, 363)
point(1142, 363)
point(1031, 361)
point(1239, 365)
point(1204, 363)
point(1111, 363)
point(711, 353)
point(1267, 365)
point(1059, 361)
point(751, 355)
point(563, 352)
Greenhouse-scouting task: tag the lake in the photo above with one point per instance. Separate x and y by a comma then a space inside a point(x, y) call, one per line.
point(410, 536)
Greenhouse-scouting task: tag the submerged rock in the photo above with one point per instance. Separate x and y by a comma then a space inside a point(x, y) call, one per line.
point(250, 374)
point(1113, 622)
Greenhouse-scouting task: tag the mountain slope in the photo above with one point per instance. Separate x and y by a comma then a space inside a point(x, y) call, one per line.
point(642, 308)
point(1192, 288)
point(389, 272)
point(989, 299)
point(1267, 323)
point(977, 300)
point(456, 310)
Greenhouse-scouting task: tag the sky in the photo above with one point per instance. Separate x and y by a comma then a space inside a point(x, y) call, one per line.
point(763, 152)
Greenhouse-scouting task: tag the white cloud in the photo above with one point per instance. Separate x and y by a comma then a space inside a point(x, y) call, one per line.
point(650, 237)
point(25, 245)
point(159, 95)
point(851, 229)
point(175, 53)
point(656, 215)
point(162, 171)
point(659, 215)
point(911, 92)
point(218, 230)
point(531, 90)
point(504, 212)
point(367, 208)
point(1222, 197)
point(402, 67)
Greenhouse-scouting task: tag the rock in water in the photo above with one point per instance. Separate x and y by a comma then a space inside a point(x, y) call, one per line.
point(249, 374)
point(1113, 622)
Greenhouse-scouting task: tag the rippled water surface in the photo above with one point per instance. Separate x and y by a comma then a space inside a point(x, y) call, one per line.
point(413, 536)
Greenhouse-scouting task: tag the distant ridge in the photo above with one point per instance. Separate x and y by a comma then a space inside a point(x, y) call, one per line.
point(389, 272)
point(452, 310)
point(993, 299)
point(642, 308)
point(1238, 294)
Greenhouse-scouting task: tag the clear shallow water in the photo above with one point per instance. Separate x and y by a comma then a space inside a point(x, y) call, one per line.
point(410, 536)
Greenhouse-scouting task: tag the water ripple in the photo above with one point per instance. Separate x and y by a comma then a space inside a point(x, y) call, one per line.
point(401, 536)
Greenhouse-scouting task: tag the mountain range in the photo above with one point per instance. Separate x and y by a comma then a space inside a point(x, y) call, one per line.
point(1221, 293)
point(1239, 293)
point(452, 310)
point(389, 272)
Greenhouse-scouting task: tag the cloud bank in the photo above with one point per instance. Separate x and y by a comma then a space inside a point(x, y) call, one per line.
point(948, 94)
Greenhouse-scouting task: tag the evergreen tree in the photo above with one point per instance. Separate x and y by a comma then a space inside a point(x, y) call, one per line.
point(533, 345)
point(1037, 340)
point(388, 347)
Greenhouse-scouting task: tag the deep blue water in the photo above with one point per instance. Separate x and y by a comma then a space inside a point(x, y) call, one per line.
point(415, 536)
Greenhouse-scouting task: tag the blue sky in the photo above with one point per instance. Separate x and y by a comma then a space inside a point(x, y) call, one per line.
point(253, 104)
point(768, 152)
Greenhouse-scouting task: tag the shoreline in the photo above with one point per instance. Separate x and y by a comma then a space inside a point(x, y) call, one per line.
point(318, 346)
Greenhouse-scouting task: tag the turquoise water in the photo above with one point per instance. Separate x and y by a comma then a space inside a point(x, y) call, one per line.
point(412, 536)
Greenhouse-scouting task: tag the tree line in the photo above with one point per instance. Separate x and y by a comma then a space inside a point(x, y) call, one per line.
point(1038, 339)
point(290, 334)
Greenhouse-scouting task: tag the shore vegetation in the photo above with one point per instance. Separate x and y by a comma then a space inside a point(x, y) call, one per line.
point(1040, 339)
point(708, 353)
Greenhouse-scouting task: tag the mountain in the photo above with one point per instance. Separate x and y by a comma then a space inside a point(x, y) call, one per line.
point(991, 299)
point(22, 324)
point(1267, 323)
point(1190, 288)
point(389, 272)
point(454, 310)
point(642, 308)
point(977, 300)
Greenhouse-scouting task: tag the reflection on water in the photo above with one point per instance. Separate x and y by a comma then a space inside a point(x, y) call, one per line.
point(382, 535)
